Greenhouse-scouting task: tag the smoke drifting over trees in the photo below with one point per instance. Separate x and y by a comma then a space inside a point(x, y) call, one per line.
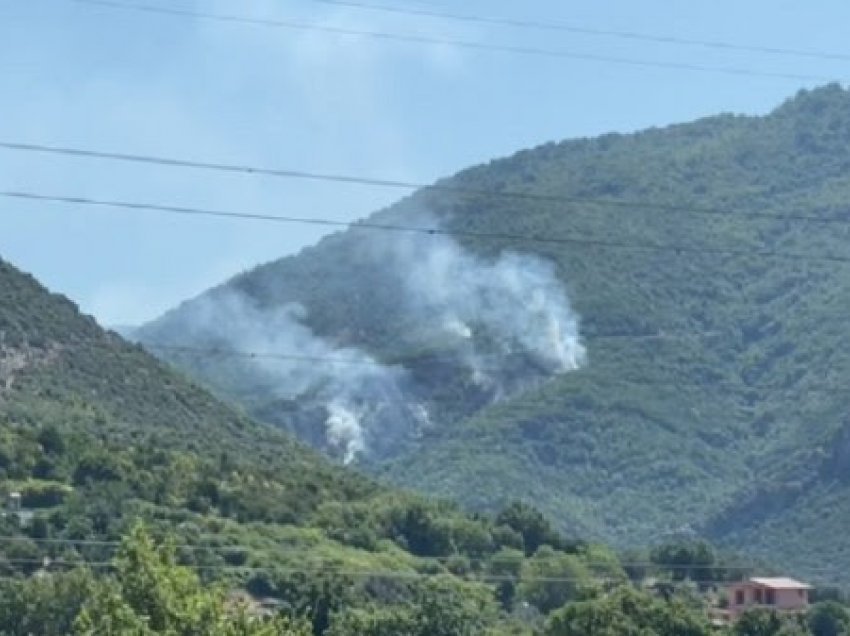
point(485, 313)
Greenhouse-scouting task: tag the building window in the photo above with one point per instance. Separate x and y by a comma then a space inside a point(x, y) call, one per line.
point(739, 597)
point(757, 597)
point(771, 597)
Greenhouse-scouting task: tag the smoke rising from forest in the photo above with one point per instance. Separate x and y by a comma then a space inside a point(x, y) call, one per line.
point(484, 310)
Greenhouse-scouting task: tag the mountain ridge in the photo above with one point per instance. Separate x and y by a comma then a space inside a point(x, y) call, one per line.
point(706, 391)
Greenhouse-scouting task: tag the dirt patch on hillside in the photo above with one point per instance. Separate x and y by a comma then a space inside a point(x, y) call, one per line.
point(15, 360)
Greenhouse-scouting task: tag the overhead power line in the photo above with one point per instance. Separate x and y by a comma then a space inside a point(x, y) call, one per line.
point(354, 573)
point(622, 204)
point(495, 559)
point(436, 357)
point(329, 359)
point(749, 252)
point(571, 28)
point(442, 41)
point(332, 568)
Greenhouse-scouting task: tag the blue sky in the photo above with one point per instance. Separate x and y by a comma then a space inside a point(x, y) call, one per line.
point(94, 77)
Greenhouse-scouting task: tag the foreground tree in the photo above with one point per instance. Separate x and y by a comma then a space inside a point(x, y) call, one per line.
point(764, 622)
point(45, 604)
point(151, 594)
point(829, 618)
point(437, 607)
point(551, 578)
point(627, 612)
point(531, 525)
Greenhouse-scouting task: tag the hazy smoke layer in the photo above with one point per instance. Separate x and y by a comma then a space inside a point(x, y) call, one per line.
point(295, 364)
point(516, 301)
point(488, 312)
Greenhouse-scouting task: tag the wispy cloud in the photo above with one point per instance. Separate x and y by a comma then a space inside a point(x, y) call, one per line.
point(173, 86)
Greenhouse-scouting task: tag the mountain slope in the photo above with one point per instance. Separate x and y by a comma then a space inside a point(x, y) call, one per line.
point(59, 368)
point(95, 432)
point(710, 398)
point(97, 435)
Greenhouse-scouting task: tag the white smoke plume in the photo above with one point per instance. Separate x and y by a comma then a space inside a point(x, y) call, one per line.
point(487, 310)
point(288, 360)
point(516, 300)
point(344, 430)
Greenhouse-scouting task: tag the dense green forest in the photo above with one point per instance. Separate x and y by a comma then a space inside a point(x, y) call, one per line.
point(97, 435)
point(148, 507)
point(712, 399)
point(147, 591)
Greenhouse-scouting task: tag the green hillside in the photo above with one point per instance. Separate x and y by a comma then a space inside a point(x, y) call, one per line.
point(97, 437)
point(711, 400)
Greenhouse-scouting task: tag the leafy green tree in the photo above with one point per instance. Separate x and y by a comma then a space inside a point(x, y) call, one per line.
point(45, 604)
point(151, 594)
point(530, 524)
point(51, 440)
point(98, 465)
point(444, 607)
point(764, 622)
point(471, 537)
point(593, 617)
point(395, 621)
point(686, 560)
point(627, 612)
point(438, 607)
point(106, 612)
point(316, 596)
point(421, 529)
point(603, 562)
point(551, 578)
point(828, 618)
point(757, 622)
point(506, 567)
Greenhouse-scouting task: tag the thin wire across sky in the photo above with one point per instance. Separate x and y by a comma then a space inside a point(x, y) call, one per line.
point(385, 182)
point(548, 25)
point(670, 248)
point(428, 39)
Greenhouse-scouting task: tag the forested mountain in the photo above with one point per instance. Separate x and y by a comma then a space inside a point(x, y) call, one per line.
point(644, 334)
point(98, 436)
point(148, 507)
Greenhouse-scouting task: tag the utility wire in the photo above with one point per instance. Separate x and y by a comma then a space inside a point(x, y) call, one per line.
point(678, 250)
point(463, 44)
point(739, 387)
point(624, 204)
point(382, 574)
point(336, 569)
point(419, 560)
point(569, 28)
point(364, 360)
point(293, 357)
point(332, 568)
